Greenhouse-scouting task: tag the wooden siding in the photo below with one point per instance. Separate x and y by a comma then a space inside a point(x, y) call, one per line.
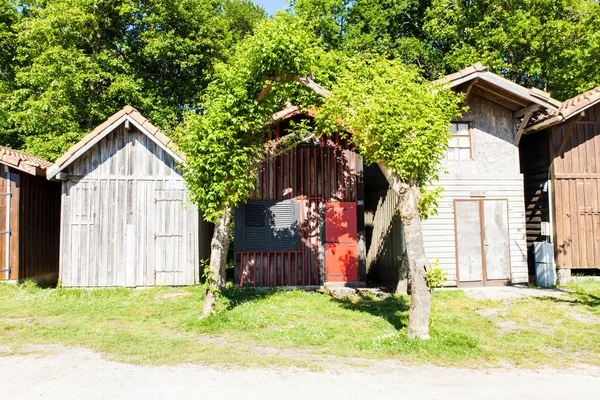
point(311, 174)
point(576, 192)
point(385, 233)
point(492, 173)
point(438, 230)
point(34, 226)
point(126, 218)
point(535, 166)
point(39, 228)
point(12, 233)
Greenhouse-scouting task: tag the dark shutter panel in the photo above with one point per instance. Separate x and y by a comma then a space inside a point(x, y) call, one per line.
point(255, 227)
point(285, 227)
point(262, 226)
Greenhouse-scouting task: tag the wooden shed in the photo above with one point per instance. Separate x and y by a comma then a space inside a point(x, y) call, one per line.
point(126, 218)
point(29, 218)
point(318, 216)
point(560, 157)
point(479, 233)
point(304, 224)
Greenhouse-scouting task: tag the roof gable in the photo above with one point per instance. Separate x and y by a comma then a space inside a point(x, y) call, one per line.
point(497, 88)
point(127, 114)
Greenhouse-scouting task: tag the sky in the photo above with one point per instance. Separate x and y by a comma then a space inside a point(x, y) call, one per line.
point(271, 6)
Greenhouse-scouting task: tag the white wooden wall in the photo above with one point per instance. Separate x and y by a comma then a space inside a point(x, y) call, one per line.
point(438, 231)
point(126, 219)
point(494, 173)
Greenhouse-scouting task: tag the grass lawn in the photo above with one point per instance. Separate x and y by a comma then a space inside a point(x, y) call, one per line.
point(160, 326)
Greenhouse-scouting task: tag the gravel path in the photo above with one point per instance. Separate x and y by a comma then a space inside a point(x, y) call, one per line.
point(81, 374)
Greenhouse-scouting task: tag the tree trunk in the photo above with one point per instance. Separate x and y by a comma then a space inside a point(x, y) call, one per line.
point(420, 298)
point(219, 247)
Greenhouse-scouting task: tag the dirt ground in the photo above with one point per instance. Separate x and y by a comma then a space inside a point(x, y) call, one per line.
point(77, 373)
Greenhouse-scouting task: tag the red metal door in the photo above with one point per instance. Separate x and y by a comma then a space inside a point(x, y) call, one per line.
point(341, 250)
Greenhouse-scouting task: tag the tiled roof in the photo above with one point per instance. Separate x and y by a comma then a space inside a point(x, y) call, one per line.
point(478, 70)
point(23, 161)
point(478, 67)
point(579, 102)
point(126, 111)
point(567, 109)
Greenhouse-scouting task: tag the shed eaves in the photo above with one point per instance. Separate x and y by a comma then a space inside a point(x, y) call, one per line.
point(23, 161)
point(578, 103)
point(478, 70)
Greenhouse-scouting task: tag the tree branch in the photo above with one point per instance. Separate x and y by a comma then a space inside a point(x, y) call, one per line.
point(312, 85)
point(305, 81)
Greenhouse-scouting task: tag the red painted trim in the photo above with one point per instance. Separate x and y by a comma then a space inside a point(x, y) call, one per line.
point(335, 167)
point(317, 243)
point(241, 266)
point(329, 142)
point(247, 270)
point(316, 183)
point(301, 171)
point(322, 169)
point(355, 178)
point(289, 254)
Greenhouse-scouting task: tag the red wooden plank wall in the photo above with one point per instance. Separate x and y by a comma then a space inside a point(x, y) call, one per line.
point(313, 173)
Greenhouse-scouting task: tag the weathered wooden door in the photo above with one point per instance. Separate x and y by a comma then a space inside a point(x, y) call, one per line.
point(171, 262)
point(482, 242)
point(341, 250)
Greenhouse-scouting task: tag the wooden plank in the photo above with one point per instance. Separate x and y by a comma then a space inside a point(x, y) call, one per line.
point(15, 180)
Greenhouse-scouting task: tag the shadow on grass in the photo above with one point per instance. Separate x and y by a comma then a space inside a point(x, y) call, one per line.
point(237, 296)
point(392, 309)
point(584, 299)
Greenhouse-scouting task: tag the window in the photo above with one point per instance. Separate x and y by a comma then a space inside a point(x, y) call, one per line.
point(459, 147)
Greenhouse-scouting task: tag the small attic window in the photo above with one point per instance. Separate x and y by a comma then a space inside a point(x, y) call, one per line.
point(459, 147)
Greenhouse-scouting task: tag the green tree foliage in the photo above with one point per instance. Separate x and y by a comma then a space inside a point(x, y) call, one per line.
point(397, 118)
point(550, 44)
point(224, 142)
point(9, 16)
point(78, 61)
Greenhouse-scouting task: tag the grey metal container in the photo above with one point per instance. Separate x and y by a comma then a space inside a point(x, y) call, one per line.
point(545, 271)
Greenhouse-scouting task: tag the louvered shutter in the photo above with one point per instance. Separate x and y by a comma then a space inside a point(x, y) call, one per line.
point(262, 226)
point(284, 227)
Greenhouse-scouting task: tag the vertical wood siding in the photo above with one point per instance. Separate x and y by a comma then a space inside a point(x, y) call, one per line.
point(386, 245)
point(126, 218)
point(34, 226)
point(14, 183)
point(312, 174)
point(576, 193)
point(535, 166)
point(39, 228)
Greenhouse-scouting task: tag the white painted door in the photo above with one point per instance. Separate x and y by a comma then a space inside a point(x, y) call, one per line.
point(482, 241)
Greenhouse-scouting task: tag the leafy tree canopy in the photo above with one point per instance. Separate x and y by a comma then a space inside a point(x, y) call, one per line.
point(549, 44)
point(78, 61)
point(396, 116)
